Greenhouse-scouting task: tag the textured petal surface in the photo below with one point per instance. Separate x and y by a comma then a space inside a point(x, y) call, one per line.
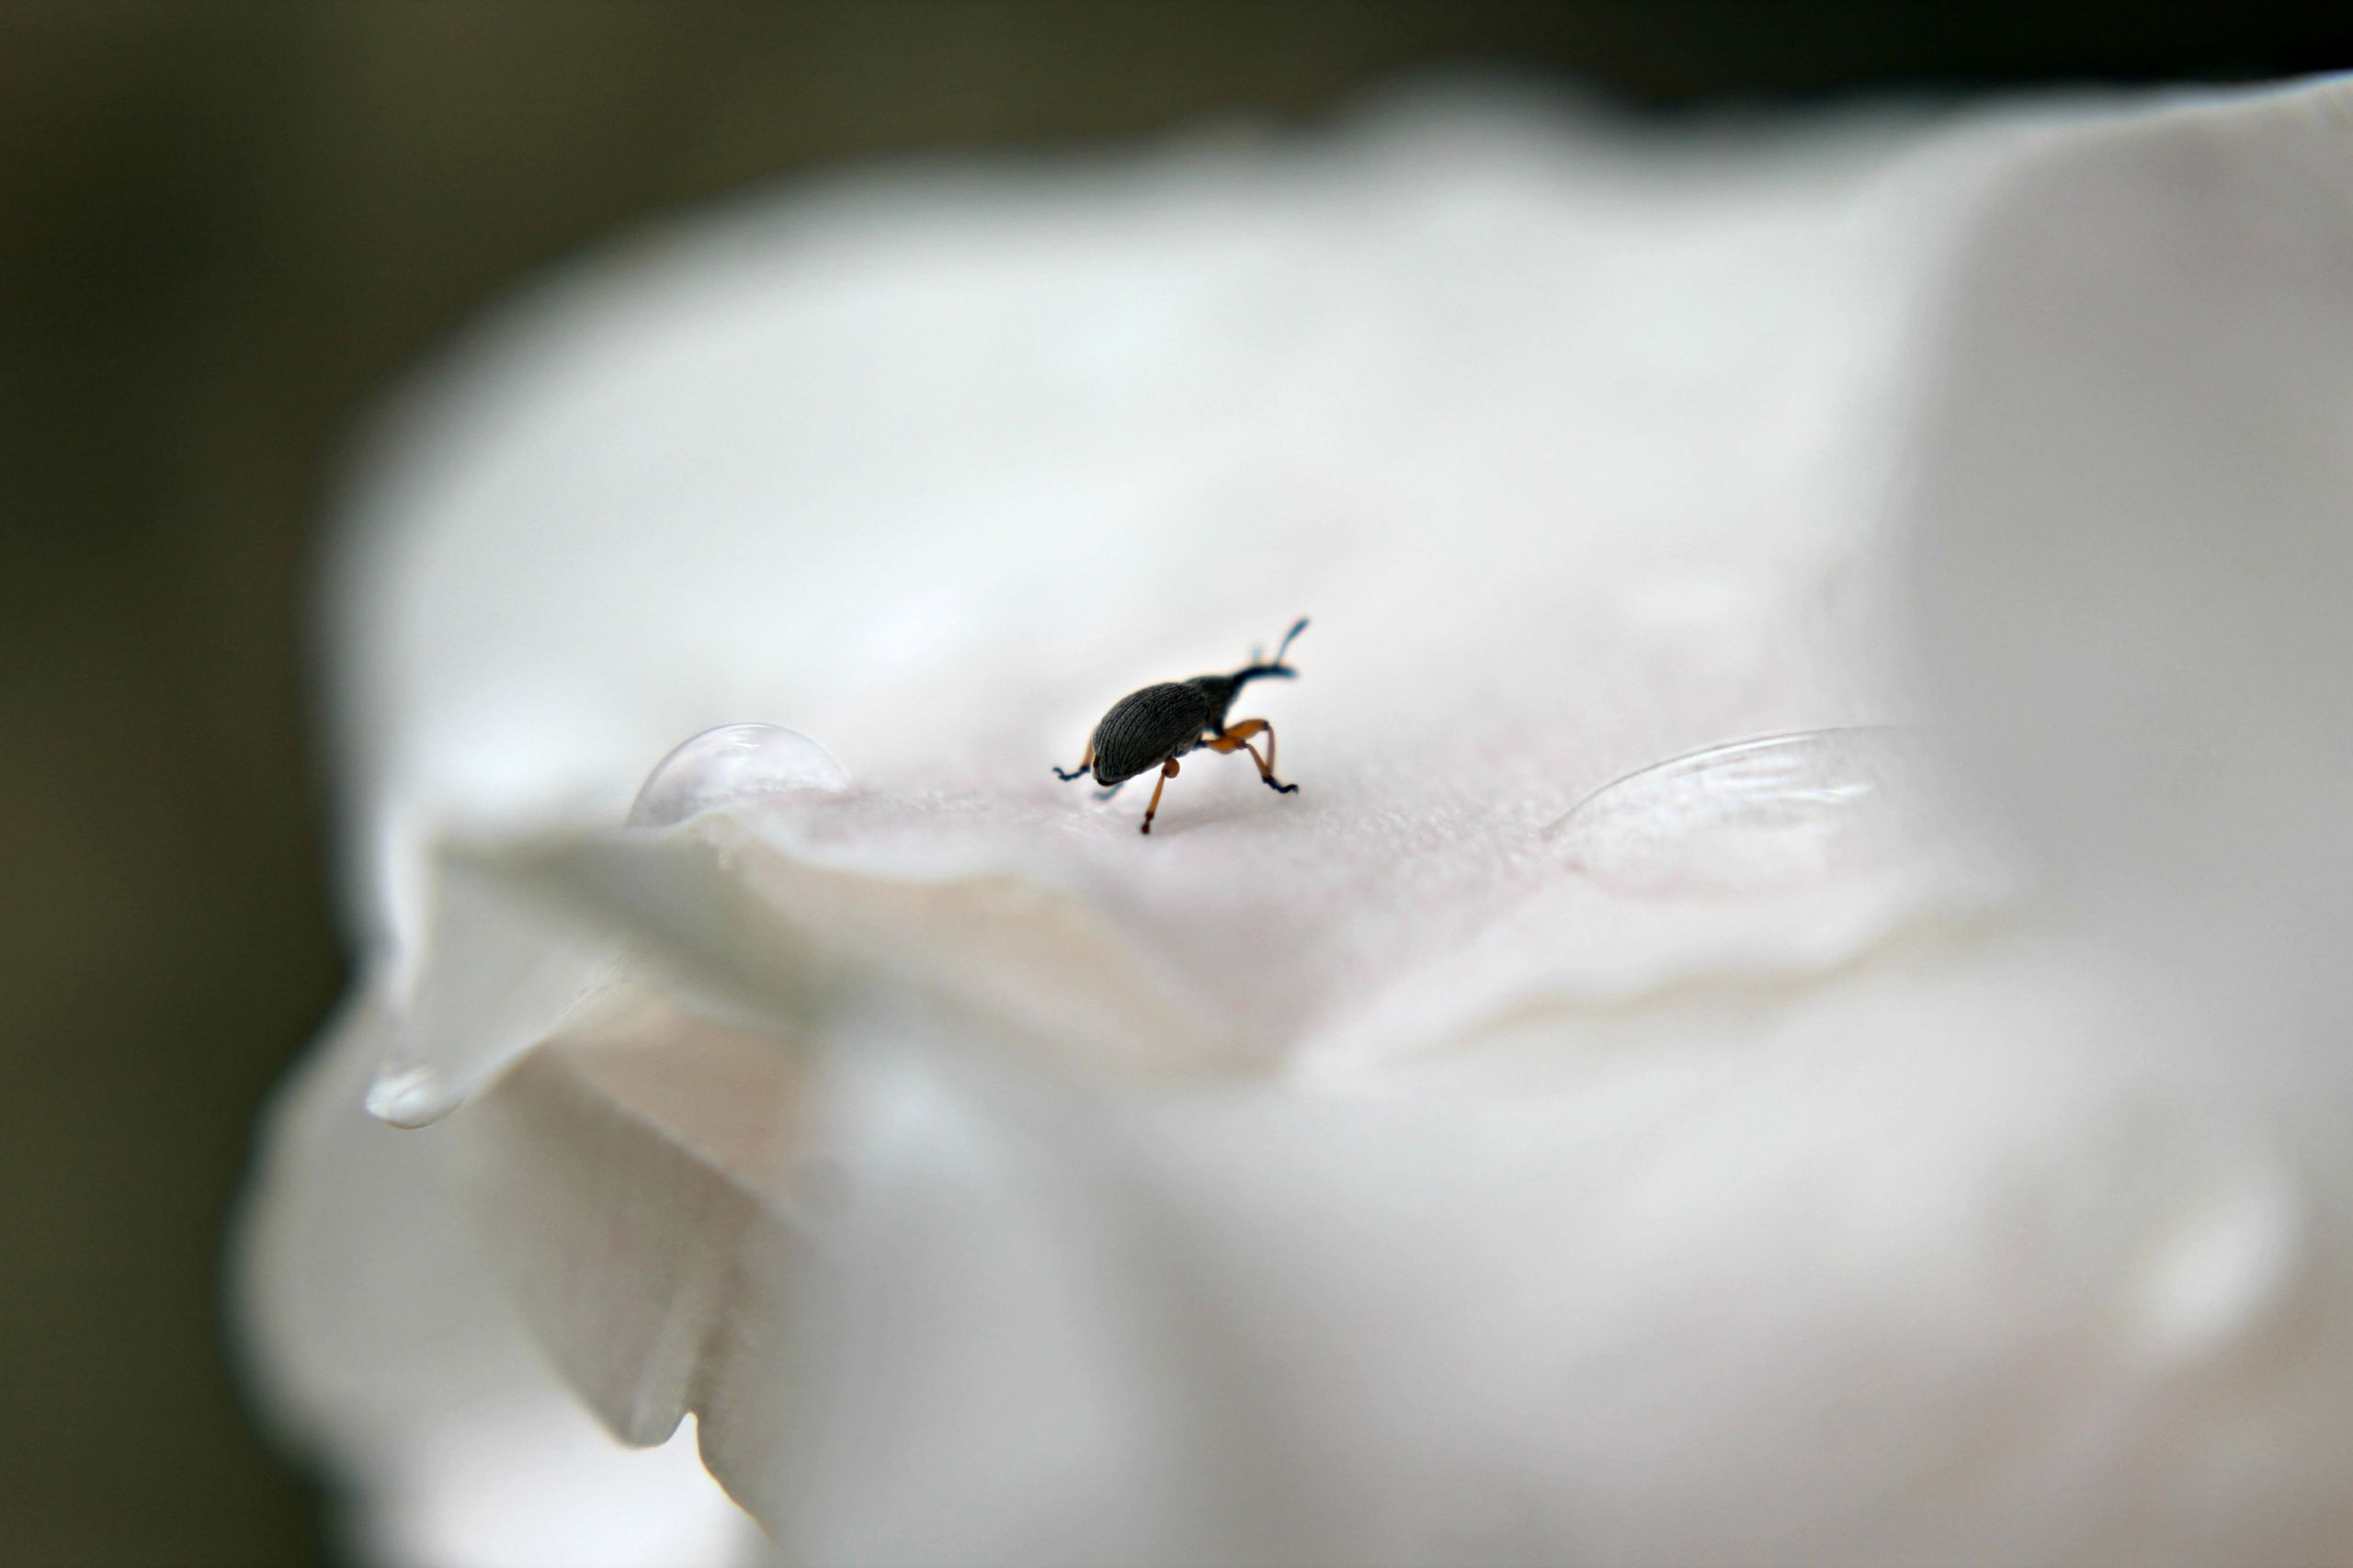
point(943, 470)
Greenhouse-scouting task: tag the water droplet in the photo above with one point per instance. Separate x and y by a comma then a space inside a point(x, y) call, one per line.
point(492, 981)
point(733, 762)
point(411, 1097)
point(1763, 815)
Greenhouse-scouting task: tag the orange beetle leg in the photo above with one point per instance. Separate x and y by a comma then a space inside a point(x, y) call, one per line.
point(1167, 771)
point(1237, 738)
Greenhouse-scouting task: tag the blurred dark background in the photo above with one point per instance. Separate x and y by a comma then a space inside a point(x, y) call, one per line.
point(221, 226)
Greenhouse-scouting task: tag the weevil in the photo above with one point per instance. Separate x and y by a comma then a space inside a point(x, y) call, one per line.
point(1153, 727)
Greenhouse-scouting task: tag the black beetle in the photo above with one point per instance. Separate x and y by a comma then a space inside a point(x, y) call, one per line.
point(1153, 727)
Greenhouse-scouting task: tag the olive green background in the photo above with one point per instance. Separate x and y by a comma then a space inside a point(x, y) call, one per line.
point(221, 226)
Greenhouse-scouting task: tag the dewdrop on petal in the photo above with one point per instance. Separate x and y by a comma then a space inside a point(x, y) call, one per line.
point(731, 763)
point(1762, 815)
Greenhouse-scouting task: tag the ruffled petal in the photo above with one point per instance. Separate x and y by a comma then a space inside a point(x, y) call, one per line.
point(385, 1347)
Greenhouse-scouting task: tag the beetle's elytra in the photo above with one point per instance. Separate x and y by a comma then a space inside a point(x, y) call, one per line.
point(1153, 727)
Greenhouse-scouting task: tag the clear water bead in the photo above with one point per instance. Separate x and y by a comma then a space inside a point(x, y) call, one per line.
point(733, 762)
point(411, 1095)
point(1762, 815)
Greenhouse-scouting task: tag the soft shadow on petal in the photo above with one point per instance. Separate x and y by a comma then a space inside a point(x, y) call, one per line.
point(619, 1171)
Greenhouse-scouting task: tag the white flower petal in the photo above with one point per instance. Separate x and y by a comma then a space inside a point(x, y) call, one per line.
point(1549, 1217)
point(388, 1351)
point(1873, 1280)
point(2132, 550)
point(1956, 1266)
point(934, 473)
point(1264, 942)
point(488, 984)
point(622, 1170)
point(1522, 585)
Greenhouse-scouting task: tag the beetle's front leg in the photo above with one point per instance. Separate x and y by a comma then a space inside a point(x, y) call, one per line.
point(1167, 771)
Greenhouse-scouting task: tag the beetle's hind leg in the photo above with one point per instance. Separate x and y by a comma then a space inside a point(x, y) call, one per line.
point(1237, 738)
point(1086, 766)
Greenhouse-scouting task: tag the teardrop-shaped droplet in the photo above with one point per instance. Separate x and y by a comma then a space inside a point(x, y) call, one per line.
point(411, 1097)
point(492, 980)
point(1763, 815)
point(732, 763)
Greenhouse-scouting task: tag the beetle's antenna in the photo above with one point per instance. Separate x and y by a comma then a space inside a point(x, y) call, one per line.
point(1298, 627)
point(1257, 669)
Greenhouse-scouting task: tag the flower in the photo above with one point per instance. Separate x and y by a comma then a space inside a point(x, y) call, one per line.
point(1504, 1149)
